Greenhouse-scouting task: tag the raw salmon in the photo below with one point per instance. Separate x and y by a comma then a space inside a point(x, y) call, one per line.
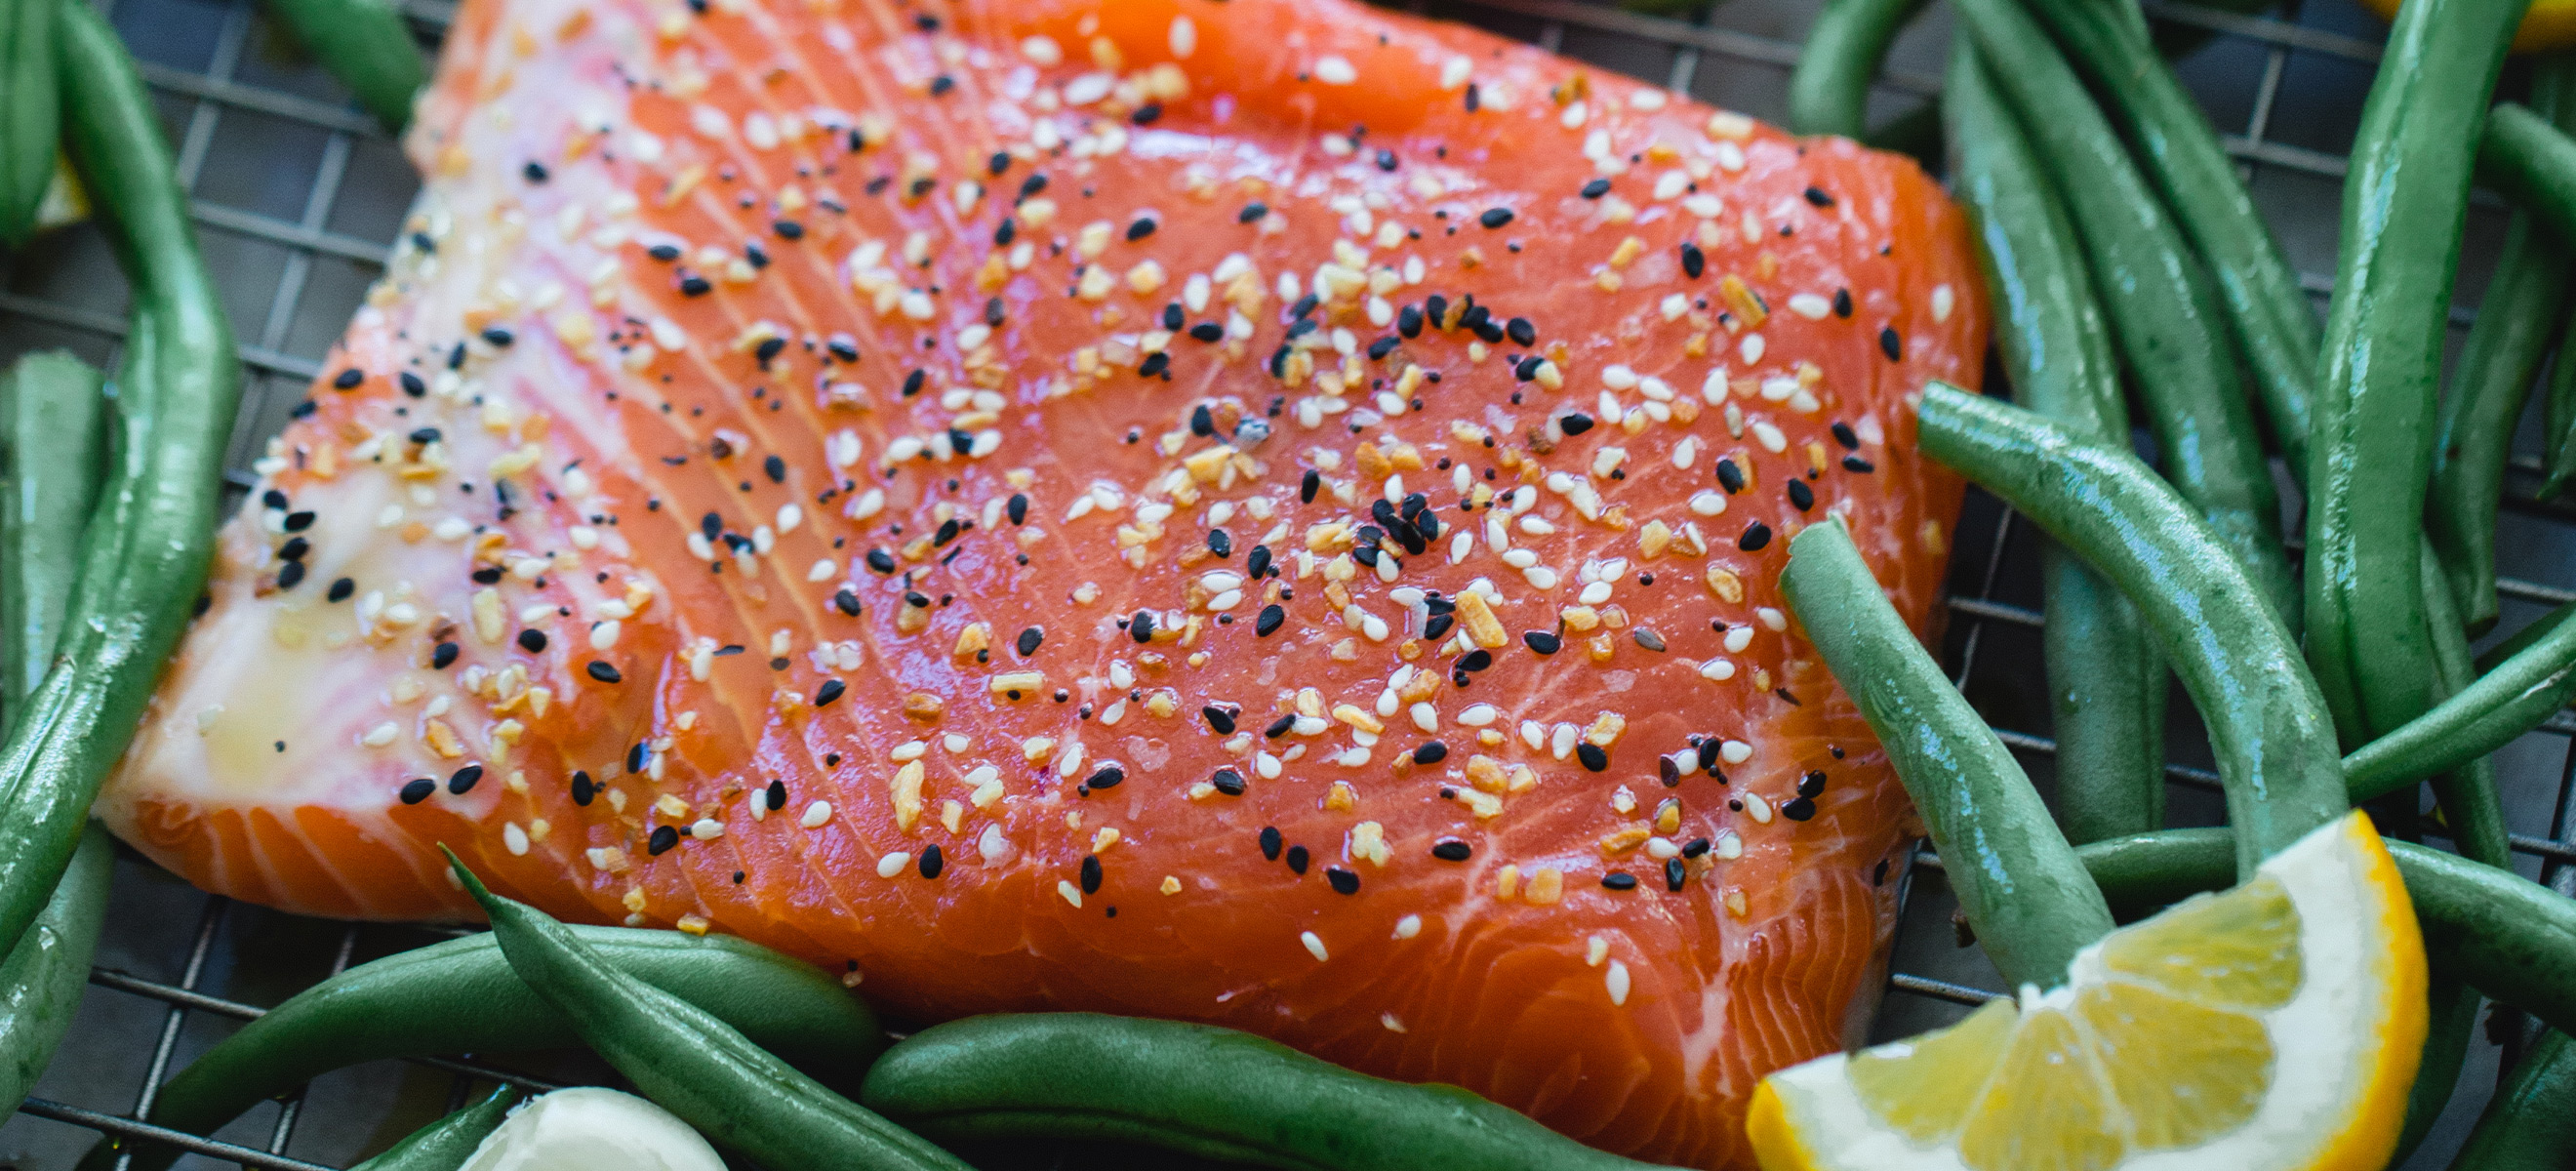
point(1260, 512)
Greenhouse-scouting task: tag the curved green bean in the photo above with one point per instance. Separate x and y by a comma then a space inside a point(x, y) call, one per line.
point(2522, 313)
point(144, 557)
point(2512, 698)
point(1829, 90)
point(2558, 419)
point(2530, 1124)
point(2405, 200)
point(366, 46)
point(2466, 791)
point(30, 114)
point(2269, 313)
point(42, 980)
point(462, 996)
point(1201, 1090)
point(691, 1062)
point(2533, 161)
point(54, 439)
point(2275, 745)
point(446, 1144)
point(2022, 891)
point(2162, 307)
point(2106, 679)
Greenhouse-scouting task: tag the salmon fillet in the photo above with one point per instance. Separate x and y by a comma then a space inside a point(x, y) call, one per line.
point(1264, 513)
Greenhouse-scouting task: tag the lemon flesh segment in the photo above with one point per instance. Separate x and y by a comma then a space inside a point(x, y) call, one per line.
point(2240, 949)
point(2274, 1027)
point(1924, 1088)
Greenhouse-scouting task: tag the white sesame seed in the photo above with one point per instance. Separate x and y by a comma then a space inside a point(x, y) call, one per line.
point(1072, 894)
point(893, 864)
point(1770, 437)
point(1314, 944)
point(1772, 618)
point(1942, 301)
point(707, 829)
point(816, 814)
point(1455, 71)
point(1751, 348)
point(1673, 306)
point(514, 838)
point(1810, 306)
point(1088, 88)
point(381, 735)
point(1335, 70)
point(1042, 50)
point(1717, 670)
point(1184, 37)
point(1595, 593)
point(1757, 808)
point(1561, 744)
point(1617, 981)
point(1735, 752)
point(1707, 502)
point(1728, 846)
point(1738, 638)
point(1540, 577)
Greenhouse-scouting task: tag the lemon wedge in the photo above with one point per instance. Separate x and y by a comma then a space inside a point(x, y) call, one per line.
point(2547, 24)
point(2274, 1026)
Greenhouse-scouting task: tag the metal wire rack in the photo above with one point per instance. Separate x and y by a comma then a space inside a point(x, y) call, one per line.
point(298, 196)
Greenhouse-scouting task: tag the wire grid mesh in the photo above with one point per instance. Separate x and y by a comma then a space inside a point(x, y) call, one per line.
point(297, 197)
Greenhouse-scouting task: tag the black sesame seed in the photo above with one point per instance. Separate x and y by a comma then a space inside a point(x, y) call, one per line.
point(1890, 345)
point(913, 382)
point(1812, 784)
point(1220, 542)
point(463, 780)
point(1298, 858)
point(1279, 727)
point(880, 561)
point(636, 758)
point(1344, 881)
point(694, 285)
point(1228, 782)
point(1649, 640)
point(932, 861)
point(1596, 189)
point(1522, 331)
point(1619, 880)
point(1252, 211)
point(1268, 621)
point(1695, 848)
point(532, 641)
point(1842, 303)
point(1379, 349)
point(1694, 262)
point(1307, 486)
point(1105, 778)
point(846, 602)
point(415, 792)
point(349, 379)
point(535, 172)
point(1576, 423)
point(1219, 719)
point(1146, 114)
point(775, 468)
point(601, 670)
point(1140, 229)
point(294, 549)
point(1270, 842)
point(442, 656)
point(1729, 476)
point(1817, 196)
point(1451, 850)
point(1592, 755)
point(1141, 627)
point(1801, 496)
point(1018, 509)
point(497, 337)
point(1432, 752)
point(1843, 434)
point(1208, 331)
point(665, 253)
point(342, 588)
point(1476, 660)
point(831, 689)
point(411, 384)
point(1675, 874)
point(1029, 641)
point(1798, 808)
point(1091, 874)
point(1543, 642)
point(1495, 217)
point(663, 838)
point(1756, 535)
point(582, 789)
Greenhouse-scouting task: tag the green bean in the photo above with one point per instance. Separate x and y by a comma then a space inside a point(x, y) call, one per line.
point(1829, 91)
point(30, 114)
point(2274, 742)
point(446, 1144)
point(2451, 1015)
point(2405, 199)
point(1201, 1090)
point(2466, 791)
point(2162, 307)
point(2023, 893)
point(690, 1061)
point(54, 439)
point(366, 46)
point(2507, 936)
point(2511, 698)
point(144, 557)
point(2558, 419)
point(2530, 1124)
point(2523, 311)
point(462, 996)
point(2526, 155)
point(2106, 680)
point(42, 980)
point(2267, 310)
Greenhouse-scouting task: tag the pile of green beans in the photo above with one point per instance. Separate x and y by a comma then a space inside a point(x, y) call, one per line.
point(2022, 890)
point(2106, 679)
point(691, 1062)
point(444, 1145)
point(2163, 308)
point(2522, 313)
point(1204, 1091)
point(463, 996)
